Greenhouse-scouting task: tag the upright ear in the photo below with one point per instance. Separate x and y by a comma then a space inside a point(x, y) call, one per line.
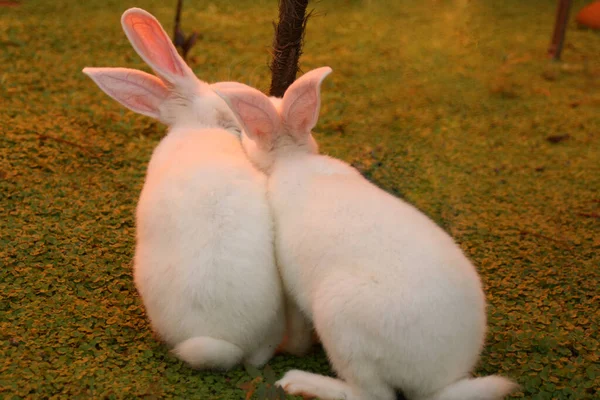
point(152, 43)
point(302, 101)
point(140, 92)
point(253, 109)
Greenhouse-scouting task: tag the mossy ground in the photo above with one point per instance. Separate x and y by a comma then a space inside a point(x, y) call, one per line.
point(452, 105)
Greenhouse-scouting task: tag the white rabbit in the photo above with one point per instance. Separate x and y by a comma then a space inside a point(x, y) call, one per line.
point(393, 299)
point(204, 261)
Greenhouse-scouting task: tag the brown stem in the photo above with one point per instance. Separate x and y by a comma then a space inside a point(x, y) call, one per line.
point(560, 29)
point(9, 3)
point(538, 235)
point(287, 44)
point(178, 16)
point(559, 242)
point(43, 136)
point(589, 215)
point(178, 36)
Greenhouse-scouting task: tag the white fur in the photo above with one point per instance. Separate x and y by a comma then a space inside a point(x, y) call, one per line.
point(204, 263)
point(393, 299)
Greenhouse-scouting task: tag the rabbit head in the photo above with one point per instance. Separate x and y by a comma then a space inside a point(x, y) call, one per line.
point(175, 96)
point(278, 127)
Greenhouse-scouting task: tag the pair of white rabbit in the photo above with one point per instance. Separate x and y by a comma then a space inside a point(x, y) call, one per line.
point(393, 299)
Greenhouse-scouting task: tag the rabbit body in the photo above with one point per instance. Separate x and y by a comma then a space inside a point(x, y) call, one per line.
point(204, 262)
point(394, 300)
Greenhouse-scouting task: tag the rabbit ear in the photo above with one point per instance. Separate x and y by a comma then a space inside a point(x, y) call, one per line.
point(253, 109)
point(227, 85)
point(302, 100)
point(140, 92)
point(152, 43)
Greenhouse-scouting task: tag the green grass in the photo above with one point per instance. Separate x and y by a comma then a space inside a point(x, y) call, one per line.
point(448, 104)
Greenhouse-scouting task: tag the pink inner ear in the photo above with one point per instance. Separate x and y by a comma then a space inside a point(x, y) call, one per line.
point(152, 42)
point(255, 119)
point(136, 90)
point(142, 103)
point(300, 113)
point(301, 102)
point(145, 96)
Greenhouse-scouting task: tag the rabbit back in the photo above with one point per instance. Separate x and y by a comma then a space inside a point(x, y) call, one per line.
point(204, 262)
point(381, 281)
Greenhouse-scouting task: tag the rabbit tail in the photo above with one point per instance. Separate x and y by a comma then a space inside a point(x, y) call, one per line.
point(492, 387)
point(204, 352)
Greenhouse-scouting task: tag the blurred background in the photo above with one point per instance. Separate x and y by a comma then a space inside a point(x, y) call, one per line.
point(452, 105)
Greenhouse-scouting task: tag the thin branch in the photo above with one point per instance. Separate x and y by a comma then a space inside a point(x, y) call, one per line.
point(9, 3)
point(560, 29)
point(559, 243)
point(43, 136)
point(178, 14)
point(179, 38)
point(589, 215)
point(539, 235)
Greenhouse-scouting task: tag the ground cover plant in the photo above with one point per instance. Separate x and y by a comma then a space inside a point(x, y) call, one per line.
point(451, 105)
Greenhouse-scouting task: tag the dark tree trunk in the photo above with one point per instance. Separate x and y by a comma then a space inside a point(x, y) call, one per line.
point(287, 44)
point(560, 28)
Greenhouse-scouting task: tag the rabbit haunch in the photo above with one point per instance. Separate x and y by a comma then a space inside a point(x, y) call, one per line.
point(204, 263)
point(393, 299)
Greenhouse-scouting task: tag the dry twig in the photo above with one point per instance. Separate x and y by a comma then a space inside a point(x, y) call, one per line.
point(43, 136)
